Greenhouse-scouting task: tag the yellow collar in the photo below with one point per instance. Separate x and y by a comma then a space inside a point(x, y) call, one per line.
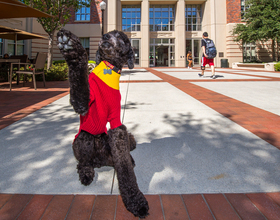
point(107, 75)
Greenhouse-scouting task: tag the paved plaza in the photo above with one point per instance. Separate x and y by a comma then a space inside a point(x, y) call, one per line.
point(206, 148)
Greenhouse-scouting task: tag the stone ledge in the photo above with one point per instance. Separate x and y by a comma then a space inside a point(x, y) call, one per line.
point(254, 66)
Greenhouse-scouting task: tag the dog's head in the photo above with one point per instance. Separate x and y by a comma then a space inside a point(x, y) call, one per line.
point(115, 48)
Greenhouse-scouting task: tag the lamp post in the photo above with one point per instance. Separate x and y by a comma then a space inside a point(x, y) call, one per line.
point(103, 7)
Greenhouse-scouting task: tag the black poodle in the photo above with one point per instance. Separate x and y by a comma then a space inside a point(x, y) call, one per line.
point(96, 98)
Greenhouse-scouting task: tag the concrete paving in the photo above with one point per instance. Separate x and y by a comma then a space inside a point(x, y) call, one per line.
point(184, 146)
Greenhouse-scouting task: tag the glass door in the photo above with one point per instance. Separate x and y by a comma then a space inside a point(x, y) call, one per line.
point(135, 43)
point(194, 45)
point(162, 52)
point(161, 55)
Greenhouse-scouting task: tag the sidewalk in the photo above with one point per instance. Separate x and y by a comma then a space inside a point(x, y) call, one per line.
point(206, 149)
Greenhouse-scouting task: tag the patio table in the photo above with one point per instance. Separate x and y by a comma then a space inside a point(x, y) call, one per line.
point(12, 62)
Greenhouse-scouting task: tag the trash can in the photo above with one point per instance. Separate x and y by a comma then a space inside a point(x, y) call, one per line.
point(224, 63)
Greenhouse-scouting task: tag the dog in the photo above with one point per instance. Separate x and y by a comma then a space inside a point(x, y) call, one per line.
point(96, 98)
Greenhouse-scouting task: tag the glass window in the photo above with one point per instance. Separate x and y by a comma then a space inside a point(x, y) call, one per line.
point(131, 17)
point(1, 47)
point(249, 52)
point(193, 16)
point(83, 14)
point(244, 7)
point(85, 44)
point(11, 47)
point(161, 18)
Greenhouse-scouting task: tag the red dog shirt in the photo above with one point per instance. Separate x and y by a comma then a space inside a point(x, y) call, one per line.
point(105, 101)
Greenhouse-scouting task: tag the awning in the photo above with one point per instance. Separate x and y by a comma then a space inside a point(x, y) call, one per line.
point(16, 9)
point(20, 35)
point(7, 29)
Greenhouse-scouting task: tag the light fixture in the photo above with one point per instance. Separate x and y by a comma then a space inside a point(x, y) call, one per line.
point(103, 7)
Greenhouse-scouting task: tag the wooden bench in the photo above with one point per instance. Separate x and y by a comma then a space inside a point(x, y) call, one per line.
point(254, 66)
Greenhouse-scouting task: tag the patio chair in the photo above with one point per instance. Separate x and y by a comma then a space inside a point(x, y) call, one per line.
point(38, 68)
point(23, 60)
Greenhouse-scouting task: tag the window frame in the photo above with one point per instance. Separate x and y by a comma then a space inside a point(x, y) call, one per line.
point(83, 12)
point(243, 8)
point(86, 45)
point(158, 22)
point(131, 18)
point(1, 47)
point(11, 47)
point(193, 17)
point(249, 52)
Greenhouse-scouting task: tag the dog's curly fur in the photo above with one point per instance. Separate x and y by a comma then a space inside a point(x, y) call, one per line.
point(112, 149)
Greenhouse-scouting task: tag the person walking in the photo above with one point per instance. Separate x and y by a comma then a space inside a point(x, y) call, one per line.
point(205, 59)
point(189, 59)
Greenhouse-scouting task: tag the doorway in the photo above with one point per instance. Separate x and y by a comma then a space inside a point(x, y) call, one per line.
point(194, 45)
point(135, 43)
point(162, 52)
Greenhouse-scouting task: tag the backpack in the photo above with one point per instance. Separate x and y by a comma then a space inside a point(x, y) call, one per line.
point(210, 49)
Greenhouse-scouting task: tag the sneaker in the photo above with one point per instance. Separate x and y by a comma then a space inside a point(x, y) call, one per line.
point(200, 75)
point(213, 77)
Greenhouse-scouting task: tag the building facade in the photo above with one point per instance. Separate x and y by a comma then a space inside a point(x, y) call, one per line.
point(161, 31)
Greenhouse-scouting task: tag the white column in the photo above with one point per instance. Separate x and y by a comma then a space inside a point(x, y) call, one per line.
point(119, 15)
point(213, 20)
point(111, 10)
point(145, 33)
point(180, 34)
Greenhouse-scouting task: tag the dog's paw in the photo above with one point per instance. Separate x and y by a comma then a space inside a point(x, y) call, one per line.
point(69, 45)
point(86, 174)
point(139, 206)
point(64, 41)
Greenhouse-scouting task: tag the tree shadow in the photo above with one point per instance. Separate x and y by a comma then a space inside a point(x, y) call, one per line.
point(182, 154)
point(199, 157)
point(36, 154)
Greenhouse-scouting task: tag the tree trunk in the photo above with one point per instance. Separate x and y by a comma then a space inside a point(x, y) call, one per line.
point(273, 49)
point(50, 50)
point(277, 49)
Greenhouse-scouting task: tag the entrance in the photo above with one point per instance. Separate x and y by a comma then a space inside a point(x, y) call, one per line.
point(162, 52)
point(161, 55)
point(135, 43)
point(194, 45)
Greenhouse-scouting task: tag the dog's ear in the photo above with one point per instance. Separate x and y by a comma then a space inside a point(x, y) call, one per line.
point(130, 60)
point(97, 58)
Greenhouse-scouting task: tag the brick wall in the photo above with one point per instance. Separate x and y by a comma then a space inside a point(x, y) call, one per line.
point(95, 15)
point(233, 11)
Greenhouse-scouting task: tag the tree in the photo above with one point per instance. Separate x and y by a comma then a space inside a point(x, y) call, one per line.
point(262, 23)
point(61, 13)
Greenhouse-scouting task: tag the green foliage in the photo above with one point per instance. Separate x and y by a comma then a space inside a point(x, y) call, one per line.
point(262, 21)
point(57, 72)
point(58, 61)
point(59, 9)
point(277, 66)
point(61, 14)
